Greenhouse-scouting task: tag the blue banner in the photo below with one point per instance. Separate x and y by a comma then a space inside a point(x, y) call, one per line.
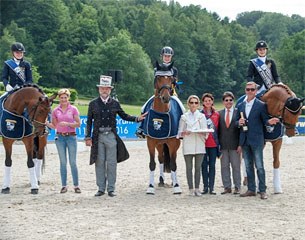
point(125, 129)
point(300, 126)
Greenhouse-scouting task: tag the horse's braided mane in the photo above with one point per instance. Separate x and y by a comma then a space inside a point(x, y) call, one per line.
point(34, 86)
point(281, 86)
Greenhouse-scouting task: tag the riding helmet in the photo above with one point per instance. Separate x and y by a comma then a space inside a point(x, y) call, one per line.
point(261, 44)
point(18, 47)
point(167, 51)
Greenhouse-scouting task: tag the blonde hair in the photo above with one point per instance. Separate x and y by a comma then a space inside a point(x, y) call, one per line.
point(64, 91)
point(191, 97)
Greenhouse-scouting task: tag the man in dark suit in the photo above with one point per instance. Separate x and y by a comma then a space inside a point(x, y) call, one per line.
point(253, 114)
point(102, 114)
point(228, 135)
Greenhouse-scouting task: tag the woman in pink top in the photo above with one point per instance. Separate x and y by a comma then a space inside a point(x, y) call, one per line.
point(211, 144)
point(65, 118)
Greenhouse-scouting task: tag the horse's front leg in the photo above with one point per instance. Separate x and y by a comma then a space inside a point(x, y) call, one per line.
point(7, 143)
point(38, 156)
point(173, 166)
point(29, 143)
point(161, 165)
point(276, 166)
point(152, 167)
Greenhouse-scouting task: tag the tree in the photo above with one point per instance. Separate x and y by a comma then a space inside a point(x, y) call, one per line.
point(291, 62)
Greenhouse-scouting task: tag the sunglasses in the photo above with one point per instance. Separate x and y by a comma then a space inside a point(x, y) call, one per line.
point(250, 89)
point(193, 103)
point(229, 100)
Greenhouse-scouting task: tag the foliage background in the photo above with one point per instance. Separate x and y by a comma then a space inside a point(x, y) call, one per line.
point(71, 42)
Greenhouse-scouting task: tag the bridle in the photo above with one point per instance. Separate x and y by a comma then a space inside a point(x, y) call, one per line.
point(34, 109)
point(163, 87)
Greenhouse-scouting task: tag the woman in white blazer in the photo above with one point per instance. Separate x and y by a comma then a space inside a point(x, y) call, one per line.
point(192, 127)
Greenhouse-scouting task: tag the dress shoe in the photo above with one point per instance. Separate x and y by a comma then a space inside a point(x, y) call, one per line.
point(227, 190)
point(205, 191)
point(99, 193)
point(111, 194)
point(77, 190)
point(263, 195)
point(212, 193)
point(236, 191)
point(63, 190)
point(248, 194)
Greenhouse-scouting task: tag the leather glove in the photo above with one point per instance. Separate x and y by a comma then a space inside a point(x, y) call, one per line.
point(8, 88)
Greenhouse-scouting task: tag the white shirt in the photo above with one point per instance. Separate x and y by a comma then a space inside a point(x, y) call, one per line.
point(105, 100)
point(249, 107)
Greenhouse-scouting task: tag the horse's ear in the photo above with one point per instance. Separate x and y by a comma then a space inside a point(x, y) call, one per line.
point(302, 100)
point(51, 99)
point(158, 67)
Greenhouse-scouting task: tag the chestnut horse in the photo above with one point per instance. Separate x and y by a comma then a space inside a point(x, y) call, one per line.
point(166, 147)
point(38, 105)
point(282, 103)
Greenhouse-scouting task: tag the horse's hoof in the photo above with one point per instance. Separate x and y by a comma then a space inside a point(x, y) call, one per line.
point(177, 189)
point(160, 184)
point(150, 190)
point(34, 191)
point(6, 190)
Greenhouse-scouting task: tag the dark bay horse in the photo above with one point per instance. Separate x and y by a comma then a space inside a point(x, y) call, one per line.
point(282, 103)
point(166, 147)
point(37, 105)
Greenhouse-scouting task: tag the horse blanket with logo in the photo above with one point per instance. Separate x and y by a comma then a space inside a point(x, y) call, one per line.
point(13, 126)
point(161, 125)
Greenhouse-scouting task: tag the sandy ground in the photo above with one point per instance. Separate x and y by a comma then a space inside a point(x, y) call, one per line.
point(134, 215)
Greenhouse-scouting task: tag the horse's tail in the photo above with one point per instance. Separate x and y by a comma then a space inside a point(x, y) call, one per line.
point(166, 156)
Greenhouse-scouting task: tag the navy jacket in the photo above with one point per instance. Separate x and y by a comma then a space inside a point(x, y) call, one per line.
point(10, 77)
point(256, 121)
point(254, 76)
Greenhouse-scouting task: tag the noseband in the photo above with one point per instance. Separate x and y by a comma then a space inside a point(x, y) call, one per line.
point(165, 86)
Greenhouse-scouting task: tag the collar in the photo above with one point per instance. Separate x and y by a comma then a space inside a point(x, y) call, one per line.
point(68, 106)
point(105, 100)
point(263, 59)
point(16, 60)
point(251, 102)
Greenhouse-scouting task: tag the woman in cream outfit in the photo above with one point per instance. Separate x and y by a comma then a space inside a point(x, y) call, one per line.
point(191, 127)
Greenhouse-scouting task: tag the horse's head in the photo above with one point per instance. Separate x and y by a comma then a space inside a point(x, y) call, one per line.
point(39, 113)
point(282, 103)
point(163, 81)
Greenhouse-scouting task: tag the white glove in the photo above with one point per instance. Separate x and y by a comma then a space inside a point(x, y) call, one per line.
point(8, 88)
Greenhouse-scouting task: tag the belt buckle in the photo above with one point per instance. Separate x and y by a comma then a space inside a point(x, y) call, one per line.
point(106, 133)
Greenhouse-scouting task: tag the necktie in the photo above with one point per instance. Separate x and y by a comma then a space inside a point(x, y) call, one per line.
point(228, 118)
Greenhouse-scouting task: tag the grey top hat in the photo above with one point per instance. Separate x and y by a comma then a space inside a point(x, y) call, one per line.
point(105, 81)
